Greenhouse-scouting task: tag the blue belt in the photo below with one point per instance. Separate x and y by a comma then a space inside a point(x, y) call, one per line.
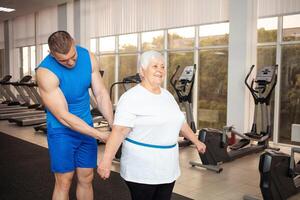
point(151, 145)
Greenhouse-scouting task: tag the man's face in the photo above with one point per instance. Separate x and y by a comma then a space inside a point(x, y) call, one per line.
point(68, 60)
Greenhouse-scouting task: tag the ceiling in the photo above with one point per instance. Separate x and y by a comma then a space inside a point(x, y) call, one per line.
point(24, 7)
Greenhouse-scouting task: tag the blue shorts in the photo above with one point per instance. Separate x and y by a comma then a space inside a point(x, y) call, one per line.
point(69, 150)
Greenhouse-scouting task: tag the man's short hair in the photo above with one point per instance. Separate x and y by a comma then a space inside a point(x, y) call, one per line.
point(60, 42)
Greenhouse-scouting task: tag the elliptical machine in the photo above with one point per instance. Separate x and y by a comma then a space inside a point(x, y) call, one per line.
point(182, 81)
point(216, 141)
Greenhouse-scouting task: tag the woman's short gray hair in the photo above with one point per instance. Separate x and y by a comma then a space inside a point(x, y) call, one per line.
point(147, 56)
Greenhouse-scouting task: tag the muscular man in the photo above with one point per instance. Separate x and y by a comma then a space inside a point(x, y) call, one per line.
point(64, 78)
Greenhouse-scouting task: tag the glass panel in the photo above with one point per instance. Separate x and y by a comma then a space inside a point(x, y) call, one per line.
point(45, 50)
point(153, 40)
point(25, 61)
point(267, 29)
point(175, 59)
point(212, 94)
point(289, 92)
point(291, 28)
point(266, 56)
point(107, 44)
point(32, 60)
point(1, 62)
point(128, 43)
point(181, 38)
point(214, 34)
point(107, 64)
point(127, 67)
point(93, 45)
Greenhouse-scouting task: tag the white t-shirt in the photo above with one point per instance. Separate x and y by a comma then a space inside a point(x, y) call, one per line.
point(155, 119)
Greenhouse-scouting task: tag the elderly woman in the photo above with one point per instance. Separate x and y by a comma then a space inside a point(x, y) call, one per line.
point(148, 121)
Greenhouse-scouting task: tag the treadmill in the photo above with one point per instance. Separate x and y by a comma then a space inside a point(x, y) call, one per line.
point(30, 109)
point(15, 105)
point(5, 96)
point(34, 117)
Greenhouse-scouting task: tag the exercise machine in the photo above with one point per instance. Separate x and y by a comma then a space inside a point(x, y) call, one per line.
point(182, 82)
point(279, 175)
point(216, 141)
point(126, 82)
point(31, 117)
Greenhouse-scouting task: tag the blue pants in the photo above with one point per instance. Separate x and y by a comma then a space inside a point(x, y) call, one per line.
point(70, 150)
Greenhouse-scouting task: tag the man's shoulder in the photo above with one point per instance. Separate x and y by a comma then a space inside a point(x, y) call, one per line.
point(80, 48)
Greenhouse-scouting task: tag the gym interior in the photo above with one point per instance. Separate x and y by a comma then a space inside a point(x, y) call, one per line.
point(233, 66)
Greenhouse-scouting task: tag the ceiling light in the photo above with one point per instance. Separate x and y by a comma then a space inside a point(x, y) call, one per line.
point(3, 9)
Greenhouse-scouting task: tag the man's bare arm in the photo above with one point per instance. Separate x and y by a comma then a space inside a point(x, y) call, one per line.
point(56, 103)
point(100, 92)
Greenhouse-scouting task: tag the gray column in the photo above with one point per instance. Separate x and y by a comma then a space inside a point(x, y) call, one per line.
point(62, 17)
point(77, 20)
point(82, 22)
point(242, 54)
point(6, 70)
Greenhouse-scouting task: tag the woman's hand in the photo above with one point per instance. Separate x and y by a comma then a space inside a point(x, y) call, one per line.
point(104, 169)
point(201, 147)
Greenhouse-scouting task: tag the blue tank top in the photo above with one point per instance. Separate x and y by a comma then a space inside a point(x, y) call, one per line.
point(74, 83)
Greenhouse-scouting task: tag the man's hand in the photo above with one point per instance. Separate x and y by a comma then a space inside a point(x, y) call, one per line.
point(103, 136)
point(201, 147)
point(104, 169)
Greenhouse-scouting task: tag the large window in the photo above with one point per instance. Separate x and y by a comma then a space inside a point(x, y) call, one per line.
point(128, 58)
point(93, 45)
point(153, 40)
point(128, 43)
point(28, 61)
point(291, 28)
point(212, 77)
point(24, 70)
point(179, 47)
point(128, 67)
point(289, 113)
point(266, 56)
point(178, 59)
point(181, 42)
point(288, 101)
point(266, 52)
point(212, 88)
point(181, 38)
point(107, 64)
point(32, 60)
point(267, 30)
point(107, 44)
point(45, 50)
point(289, 91)
point(214, 34)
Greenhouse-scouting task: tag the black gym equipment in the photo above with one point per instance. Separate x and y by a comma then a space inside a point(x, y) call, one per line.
point(182, 82)
point(134, 79)
point(33, 117)
point(5, 97)
point(279, 175)
point(11, 99)
point(216, 141)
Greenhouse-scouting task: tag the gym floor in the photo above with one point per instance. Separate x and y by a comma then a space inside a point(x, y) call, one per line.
point(237, 179)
